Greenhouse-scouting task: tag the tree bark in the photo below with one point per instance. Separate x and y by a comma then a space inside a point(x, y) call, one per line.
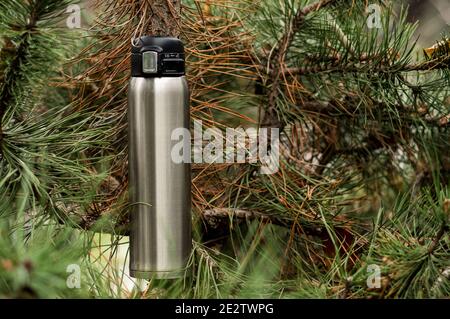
point(165, 17)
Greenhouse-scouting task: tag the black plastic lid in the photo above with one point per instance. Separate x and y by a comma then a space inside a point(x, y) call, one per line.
point(157, 57)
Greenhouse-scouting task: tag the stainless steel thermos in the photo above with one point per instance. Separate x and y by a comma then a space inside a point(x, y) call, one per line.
point(159, 188)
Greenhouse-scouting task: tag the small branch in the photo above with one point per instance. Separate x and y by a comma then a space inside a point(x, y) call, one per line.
point(327, 108)
point(437, 238)
point(13, 71)
point(435, 64)
point(351, 67)
point(277, 61)
point(213, 216)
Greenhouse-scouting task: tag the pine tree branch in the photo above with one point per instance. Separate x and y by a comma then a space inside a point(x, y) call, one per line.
point(13, 73)
point(331, 108)
point(277, 61)
point(213, 218)
point(441, 63)
point(431, 249)
point(213, 215)
point(351, 67)
point(440, 234)
point(370, 145)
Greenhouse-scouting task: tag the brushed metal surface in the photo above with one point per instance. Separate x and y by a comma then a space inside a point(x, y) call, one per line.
point(159, 189)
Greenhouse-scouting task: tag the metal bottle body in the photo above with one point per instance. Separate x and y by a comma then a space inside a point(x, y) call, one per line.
point(159, 188)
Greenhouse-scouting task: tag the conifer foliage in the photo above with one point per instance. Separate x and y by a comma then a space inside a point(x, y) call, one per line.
point(360, 205)
point(43, 140)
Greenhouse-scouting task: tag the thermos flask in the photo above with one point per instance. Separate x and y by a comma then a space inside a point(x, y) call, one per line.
point(159, 188)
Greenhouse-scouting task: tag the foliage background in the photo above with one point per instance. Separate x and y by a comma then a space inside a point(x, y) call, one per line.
point(365, 165)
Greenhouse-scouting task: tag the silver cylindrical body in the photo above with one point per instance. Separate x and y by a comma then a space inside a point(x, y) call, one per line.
point(160, 196)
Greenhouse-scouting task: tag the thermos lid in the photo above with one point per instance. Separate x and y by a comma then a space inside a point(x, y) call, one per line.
point(157, 57)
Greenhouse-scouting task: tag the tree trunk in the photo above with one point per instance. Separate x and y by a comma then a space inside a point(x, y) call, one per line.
point(164, 18)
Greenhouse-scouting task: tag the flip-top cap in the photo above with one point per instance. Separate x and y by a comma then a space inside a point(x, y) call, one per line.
point(157, 57)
